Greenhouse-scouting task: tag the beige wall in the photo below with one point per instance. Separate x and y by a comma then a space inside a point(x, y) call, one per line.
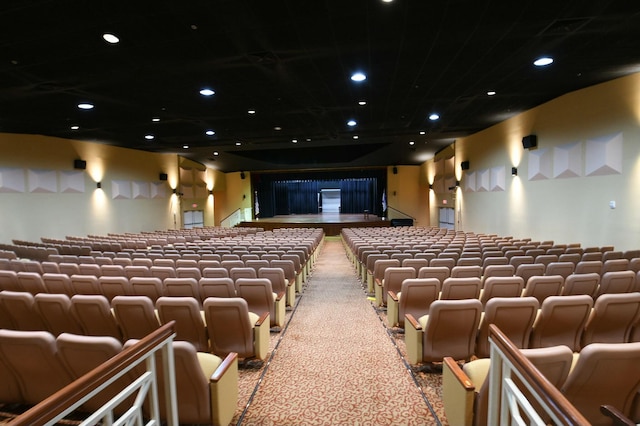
point(30, 215)
point(564, 209)
point(407, 193)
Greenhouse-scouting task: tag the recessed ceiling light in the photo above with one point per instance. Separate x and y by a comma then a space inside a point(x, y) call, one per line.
point(149, 137)
point(387, 1)
point(351, 123)
point(412, 142)
point(251, 111)
point(434, 117)
point(185, 146)
point(238, 143)
point(277, 128)
point(358, 77)
point(110, 38)
point(75, 127)
point(422, 132)
point(362, 103)
point(207, 92)
point(216, 153)
point(210, 133)
point(294, 140)
point(356, 136)
point(155, 119)
point(308, 139)
point(85, 105)
point(491, 93)
point(541, 62)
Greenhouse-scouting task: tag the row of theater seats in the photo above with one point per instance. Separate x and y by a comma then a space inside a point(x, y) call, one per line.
point(36, 364)
point(237, 323)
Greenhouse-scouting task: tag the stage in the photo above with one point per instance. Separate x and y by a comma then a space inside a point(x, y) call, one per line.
point(332, 223)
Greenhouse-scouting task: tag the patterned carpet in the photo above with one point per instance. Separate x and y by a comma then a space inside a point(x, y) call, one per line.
point(335, 362)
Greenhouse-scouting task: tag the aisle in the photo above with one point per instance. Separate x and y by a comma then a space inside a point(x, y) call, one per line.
point(336, 364)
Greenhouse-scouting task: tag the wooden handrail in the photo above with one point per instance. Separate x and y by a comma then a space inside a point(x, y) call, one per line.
point(550, 395)
point(60, 401)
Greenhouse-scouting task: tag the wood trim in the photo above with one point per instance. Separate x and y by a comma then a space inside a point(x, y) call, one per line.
point(462, 378)
point(70, 394)
point(224, 366)
point(414, 323)
point(392, 294)
point(557, 402)
point(262, 319)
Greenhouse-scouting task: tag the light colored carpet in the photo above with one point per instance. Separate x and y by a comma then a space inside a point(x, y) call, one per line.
point(335, 363)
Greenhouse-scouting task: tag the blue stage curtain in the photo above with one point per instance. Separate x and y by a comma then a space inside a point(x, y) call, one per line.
point(303, 196)
point(358, 195)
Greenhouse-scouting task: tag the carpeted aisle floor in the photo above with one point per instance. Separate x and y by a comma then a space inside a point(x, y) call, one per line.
point(335, 363)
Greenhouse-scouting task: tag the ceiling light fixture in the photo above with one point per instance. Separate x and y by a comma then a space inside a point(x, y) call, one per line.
point(358, 77)
point(294, 140)
point(185, 146)
point(210, 133)
point(207, 92)
point(356, 136)
point(149, 137)
point(155, 119)
point(238, 143)
point(110, 38)
point(251, 111)
point(491, 93)
point(85, 105)
point(216, 153)
point(277, 128)
point(412, 143)
point(434, 117)
point(543, 61)
point(75, 127)
point(362, 103)
point(351, 123)
point(422, 132)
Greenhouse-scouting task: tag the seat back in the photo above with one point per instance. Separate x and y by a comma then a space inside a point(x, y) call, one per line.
point(216, 287)
point(586, 283)
point(81, 354)
point(381, 265)
point(605, 374)
point(185, 311)
point(393, 278)
point(229, 326)
point(561, 321)
point(528, 270)
point(287, 267)
point(439, 272)
point(564, 269)
point(276, 276)
point(242, 272)
point(147, 286)
point(85, 284)
point(163, 272)
point(588, 266)
point(258, 294)
point(135, 315)
point(31, 282)
point(458, 337)
point(498, 271)
point(616, 282)
point(219, 272)
point(9, 281)
point(612, 318)
point(20, 306)
point(514, 316)
point(542, 287)
point(32, 356)
point(461, 288)
point(466, 271)
point(416, 296)
point(182, 287)
point(114, 286)
point(614, 265)
point(95, 317)
point(415, 264)
point(497, 286)
point(56, 313)
point(188, 272)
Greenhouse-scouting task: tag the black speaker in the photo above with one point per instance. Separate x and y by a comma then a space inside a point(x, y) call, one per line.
point(163, 176)
point(395, 170)
point(464, 165)
point(530, 141)
point(242, 176)
point(79, 164)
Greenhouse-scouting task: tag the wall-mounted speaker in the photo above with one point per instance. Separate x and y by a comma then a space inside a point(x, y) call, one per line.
point(530, 141)
point(395, 170)
point(163, 176)
point(464, 165)
point(242, 175)
point(79, 164)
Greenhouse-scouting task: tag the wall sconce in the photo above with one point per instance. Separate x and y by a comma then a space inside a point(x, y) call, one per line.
point(457, 183)
point(514, 171)
point(175, 190)
point(244, 196)
point(430, 186)
point(99, 185)
point(211, 192)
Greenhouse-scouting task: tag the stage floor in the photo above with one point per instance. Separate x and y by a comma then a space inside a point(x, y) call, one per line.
point(331, 223)
point(321, 218)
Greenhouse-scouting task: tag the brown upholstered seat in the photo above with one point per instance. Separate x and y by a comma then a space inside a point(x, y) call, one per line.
point(147, 286)
point(561, 321)
point(392, 281)
point(20, 306)
point(612, 318)
point(56, 313)
point(95, 317)
point(261, 298)
point(232, 328)
point(581, 284)
point(136, 316)
point(428, 340)
point(616, 282)
point(216, 287)
point(415, 297)
point(501, 286)
point(461, 288)
point(279, 284)
point(544, 286)
point(185, 311)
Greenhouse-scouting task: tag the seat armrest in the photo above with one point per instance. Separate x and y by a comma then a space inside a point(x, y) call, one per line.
point(279, 296)
point(458, 393)
point(223, 389)
point(617, 417)
point(413, 339)
point(392, 295)
point(263, 318)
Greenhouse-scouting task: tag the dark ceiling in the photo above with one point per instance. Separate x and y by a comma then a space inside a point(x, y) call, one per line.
point(291, 62)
